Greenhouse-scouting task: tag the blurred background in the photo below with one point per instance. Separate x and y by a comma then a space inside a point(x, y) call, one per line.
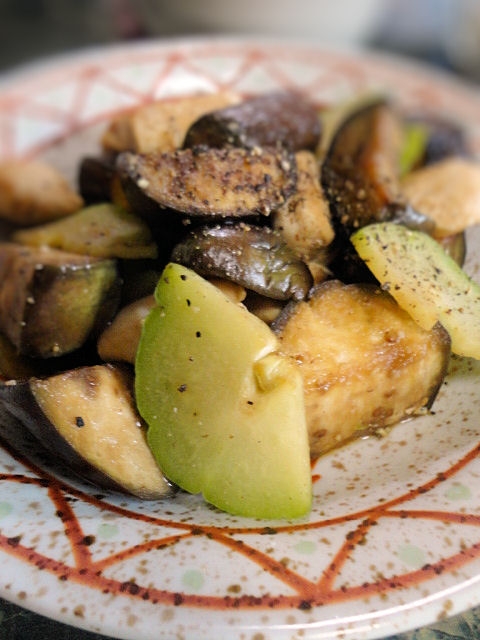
point(441, 32)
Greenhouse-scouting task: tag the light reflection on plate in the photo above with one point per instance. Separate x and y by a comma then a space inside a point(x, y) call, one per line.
point(393, 541)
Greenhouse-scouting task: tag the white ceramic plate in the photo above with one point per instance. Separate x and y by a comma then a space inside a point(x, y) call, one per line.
point(393, 541)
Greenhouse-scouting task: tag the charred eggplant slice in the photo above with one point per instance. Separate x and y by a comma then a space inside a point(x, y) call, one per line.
point(51, 301)
point(87, 416)
point(360, 176)
point(254, 257)
point(279, 118)
point(365, 363)
point(13, 366)
point(203, 181)
point(360, 173)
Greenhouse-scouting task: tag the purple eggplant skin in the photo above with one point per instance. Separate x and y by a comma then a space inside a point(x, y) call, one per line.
point(284, 118)
point(361, 173)
point(21, 444)
point(53, 302)
point(18, 400)
point(254, 257)
point(64, 414)
point(360, 177)
point(95, 176)
point(444, 138)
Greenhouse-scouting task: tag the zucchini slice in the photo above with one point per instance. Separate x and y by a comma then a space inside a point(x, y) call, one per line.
point(102, 230)
point(425, 281)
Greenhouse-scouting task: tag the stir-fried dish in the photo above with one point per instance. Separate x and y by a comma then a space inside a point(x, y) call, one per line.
point(235, 287)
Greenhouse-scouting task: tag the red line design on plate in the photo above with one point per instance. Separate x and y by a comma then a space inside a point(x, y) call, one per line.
point(330, 70)
point(307, 593)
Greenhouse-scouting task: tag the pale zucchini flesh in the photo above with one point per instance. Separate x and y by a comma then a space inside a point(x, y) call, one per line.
point(225, 411)
point(424, 280)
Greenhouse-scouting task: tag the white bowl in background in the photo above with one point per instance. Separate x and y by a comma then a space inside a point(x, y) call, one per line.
point(338, 21)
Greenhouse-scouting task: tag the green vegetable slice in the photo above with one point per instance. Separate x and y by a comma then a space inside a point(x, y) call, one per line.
point(424, 280)
point(225, 410)
point(414, 146)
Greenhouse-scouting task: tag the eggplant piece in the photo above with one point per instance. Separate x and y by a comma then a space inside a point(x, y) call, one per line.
point(87, 418)
point(51, 301)
point(119, 340)
point(360, 176)
point(101, 230)
point(255, 257)
point(166, 225)
point(229, 182)
point(33, 192)
point(95, 177)
point(448, 192)
point(366, 364)
point(443, 138)
point(139, 278)
point(14, 366)
point(280, 118)
point(161, 125)
point(304, 221)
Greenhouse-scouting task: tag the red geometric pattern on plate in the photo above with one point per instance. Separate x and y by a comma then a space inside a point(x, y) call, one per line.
point(306, 593)
point(324, 74)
